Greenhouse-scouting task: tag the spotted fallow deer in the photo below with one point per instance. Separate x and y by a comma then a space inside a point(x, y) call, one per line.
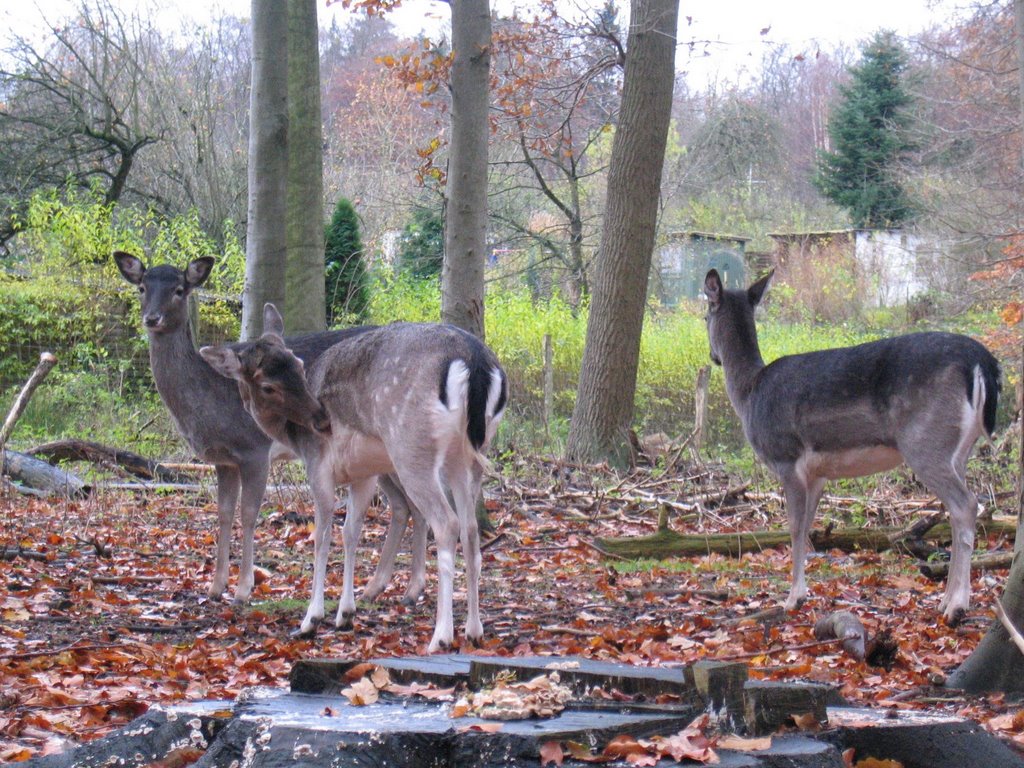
point(418, 400)
point(922, 399)
point(208, 412)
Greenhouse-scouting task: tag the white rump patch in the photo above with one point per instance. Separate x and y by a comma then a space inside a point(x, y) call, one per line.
point(449, 422)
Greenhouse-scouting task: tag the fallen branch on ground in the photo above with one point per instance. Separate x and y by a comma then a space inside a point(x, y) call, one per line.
point(987, 562)
point(668, 543)
point(105, 456)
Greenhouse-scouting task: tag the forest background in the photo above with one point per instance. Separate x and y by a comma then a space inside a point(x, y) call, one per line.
point(122, 133)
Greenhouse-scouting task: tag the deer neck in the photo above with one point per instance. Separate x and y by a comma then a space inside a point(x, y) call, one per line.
point(178, 368)
point(741, 363)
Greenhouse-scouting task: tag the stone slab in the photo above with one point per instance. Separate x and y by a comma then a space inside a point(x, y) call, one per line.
point(918, 739)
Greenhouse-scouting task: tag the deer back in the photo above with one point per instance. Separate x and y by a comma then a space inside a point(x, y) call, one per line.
point(406, 376)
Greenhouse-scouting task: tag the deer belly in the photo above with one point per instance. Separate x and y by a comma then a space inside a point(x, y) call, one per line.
point(356, 456)
point(852, 462)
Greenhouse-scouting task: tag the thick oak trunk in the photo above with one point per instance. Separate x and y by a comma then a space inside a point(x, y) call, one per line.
point(266, 244)
point(304, 306)
point(462, 276)
point(603, 413)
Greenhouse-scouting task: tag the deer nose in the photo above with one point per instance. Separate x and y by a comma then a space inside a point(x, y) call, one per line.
point(152, 321)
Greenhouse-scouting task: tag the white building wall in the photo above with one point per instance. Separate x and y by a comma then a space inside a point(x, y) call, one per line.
point(888, 260)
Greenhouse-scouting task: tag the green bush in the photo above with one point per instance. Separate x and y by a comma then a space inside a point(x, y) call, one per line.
point(61, 292)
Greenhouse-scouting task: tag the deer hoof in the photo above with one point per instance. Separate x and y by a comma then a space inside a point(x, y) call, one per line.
point(954, 617)
point(439, 645)
point(345, 621)
point(304, 634)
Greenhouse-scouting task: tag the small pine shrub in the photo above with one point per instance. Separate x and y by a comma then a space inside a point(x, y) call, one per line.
point(347, 282)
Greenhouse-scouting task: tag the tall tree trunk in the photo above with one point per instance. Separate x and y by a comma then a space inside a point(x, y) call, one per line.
point(304, 273)
point(462, 276)
point(997, 664)
point(1018, 15)
point(604, 406)
point(266, 246)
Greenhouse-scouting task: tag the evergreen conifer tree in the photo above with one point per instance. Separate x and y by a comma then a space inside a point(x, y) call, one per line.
point(346, 280)
point(421, 250)
point(868, 135)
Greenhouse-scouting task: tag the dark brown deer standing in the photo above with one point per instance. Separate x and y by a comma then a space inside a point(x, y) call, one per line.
point(922, 399)
point(208, 412)
point(416, 399)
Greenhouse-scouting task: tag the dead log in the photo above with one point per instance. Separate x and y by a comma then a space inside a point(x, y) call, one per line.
point(987, 562)
point(105, 456)
point(668, 543)
point(846, 627)
point(36, 473)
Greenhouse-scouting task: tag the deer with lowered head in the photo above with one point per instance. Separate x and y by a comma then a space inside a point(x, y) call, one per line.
point(207, 410)
point(418, 400)
point(922, 399)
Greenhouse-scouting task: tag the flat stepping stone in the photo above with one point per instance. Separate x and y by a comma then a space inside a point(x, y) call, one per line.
point(918, 739)
point(275, 728)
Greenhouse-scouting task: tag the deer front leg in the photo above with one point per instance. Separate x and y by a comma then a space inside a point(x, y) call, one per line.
point(228, 483)
point(360, 493)
point(254, 484)
point(802, 495)
point(321, 483)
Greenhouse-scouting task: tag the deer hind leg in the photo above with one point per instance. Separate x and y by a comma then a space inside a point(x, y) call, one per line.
point(229, 481)
point(418, 567)
point(802, 496)
point(392, 540)
point(360, 494)
point(944, 477)
point(465, 487)
point(254, 484)
point(426, 494)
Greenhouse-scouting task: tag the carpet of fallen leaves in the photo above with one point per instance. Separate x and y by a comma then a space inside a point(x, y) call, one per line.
point(103, 609)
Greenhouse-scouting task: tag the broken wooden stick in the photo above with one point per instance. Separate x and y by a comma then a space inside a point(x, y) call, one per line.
point(46, 361)
point(991, 561)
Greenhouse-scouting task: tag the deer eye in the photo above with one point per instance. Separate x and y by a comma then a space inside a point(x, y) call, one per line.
point(179, 291)
point(267, 389)
point(142, 289)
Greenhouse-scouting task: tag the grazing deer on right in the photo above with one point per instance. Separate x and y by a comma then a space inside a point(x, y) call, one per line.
point(419, 400)
point(922, 399)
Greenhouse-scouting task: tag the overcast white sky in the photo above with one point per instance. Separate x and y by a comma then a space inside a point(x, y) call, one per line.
point(732, 26)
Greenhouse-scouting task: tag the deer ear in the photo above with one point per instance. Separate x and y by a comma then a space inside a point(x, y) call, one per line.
point(130, 267)
point(713, 289)
point(272, 320)
point(198, 270)
point(756, 291)
point(224, 361)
